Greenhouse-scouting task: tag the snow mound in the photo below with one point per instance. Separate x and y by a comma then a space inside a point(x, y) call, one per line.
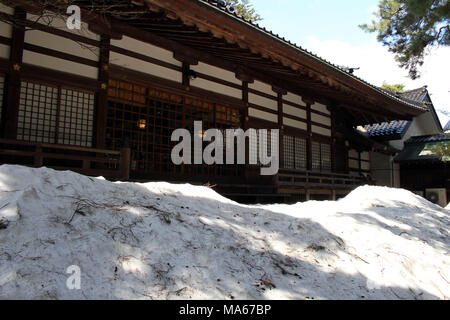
point(168, 241)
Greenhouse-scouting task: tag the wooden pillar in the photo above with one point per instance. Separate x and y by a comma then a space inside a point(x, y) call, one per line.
point(308, 102)
point(186, 63)
point(245, 118)
point(102, 97)
point(246, 78)
point(333, 139)
point(280, 93)
point(186, 81)
point(13, 79)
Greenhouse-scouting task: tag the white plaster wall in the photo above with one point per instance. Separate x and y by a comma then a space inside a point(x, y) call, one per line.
point(320, 119)
point(5, 30)
point(293, 111)
point(321, 131)
point(5, 51)
point(262, 115)
point(216, 72)
point(294, 98)
point(49, 19)
point(61, 44)
point(262, 101)
point(216, 87)
point(262, 87)
point(365, 155)
point(294, 123)
point(146, 49)
point(420, 126)
point(59, 64)
point(381, 169)
point(320, 107)
point(353, 164)
point(145, 67)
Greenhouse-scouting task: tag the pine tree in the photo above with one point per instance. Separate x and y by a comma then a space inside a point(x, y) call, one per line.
point(409, 27)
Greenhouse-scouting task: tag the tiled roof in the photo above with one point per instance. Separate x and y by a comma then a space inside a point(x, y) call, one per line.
point(429, 139)
point(447, 126)
point(418, 95)
point(221, 5)
point(421, 149)
point(387, 128)
point(396, 129)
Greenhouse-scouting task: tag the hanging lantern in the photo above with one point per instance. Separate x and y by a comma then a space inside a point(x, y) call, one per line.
point(142, 124)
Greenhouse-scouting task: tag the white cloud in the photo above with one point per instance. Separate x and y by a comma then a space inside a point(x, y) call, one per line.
point(377, 65)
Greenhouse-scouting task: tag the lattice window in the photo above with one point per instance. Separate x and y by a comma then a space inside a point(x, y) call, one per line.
point(289, 152)
point(227, 116)
point(321, 156)
point(315, 155)
point(146, 118)
point(76, 117)
point(253, 147)
point(325, 154)
point(2, 89)
point(53, 114)
point(300, 154)
point(37, 112)
point(295, 154)
point(268, 144)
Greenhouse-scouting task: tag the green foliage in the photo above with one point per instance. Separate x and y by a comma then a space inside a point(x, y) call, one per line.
point(245, 8)
point(393, 87)
point(441, 149)
point(409, 27)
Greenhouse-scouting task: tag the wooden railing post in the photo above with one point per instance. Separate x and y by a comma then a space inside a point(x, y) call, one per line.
point(125, 162)
point(38, 158)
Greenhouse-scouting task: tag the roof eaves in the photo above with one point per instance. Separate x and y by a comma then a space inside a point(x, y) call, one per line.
point(301, 50)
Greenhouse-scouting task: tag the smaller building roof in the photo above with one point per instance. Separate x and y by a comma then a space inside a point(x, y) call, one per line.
point(419, 94)
point(447, 126)
point(396, 129)
point(429, 139)
point(425, 148)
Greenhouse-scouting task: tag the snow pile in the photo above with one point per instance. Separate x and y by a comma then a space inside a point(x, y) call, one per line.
point(164, 241)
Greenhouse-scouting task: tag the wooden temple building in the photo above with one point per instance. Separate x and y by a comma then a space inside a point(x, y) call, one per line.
point(104, 100)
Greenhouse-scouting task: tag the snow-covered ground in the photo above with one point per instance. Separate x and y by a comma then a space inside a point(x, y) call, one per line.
point(165, 241)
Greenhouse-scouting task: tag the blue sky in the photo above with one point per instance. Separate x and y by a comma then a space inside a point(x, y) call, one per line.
point(329, 28)
point(326, 19)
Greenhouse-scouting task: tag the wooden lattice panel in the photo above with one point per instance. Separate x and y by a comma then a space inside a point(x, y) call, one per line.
point(38, 111)
point(76, 117)
point(2, 90)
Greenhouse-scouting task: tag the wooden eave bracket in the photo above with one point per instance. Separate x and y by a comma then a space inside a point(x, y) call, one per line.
point(244, 75)
point(279, 90)
point(185, 58)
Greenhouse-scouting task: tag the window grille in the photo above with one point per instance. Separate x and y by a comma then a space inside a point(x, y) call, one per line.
point(300, 154)
point(295, 155)
point(53, 114)
point(76, 117)
point(38, 110)
point(2, 89)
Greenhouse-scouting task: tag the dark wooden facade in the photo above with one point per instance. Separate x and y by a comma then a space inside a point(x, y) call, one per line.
point(112, 112)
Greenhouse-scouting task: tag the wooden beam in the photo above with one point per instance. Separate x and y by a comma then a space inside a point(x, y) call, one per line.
point(191, 60)
point(281, 128)
point(13, 80)
point(102, 96)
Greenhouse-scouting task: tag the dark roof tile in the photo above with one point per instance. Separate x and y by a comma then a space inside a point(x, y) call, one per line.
point(397, 127)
